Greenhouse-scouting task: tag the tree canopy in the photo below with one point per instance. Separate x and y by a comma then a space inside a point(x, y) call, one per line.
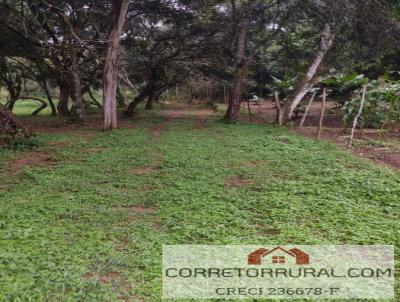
point(151, 46)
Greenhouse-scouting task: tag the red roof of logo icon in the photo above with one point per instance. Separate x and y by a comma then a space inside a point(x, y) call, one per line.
point(257, 256)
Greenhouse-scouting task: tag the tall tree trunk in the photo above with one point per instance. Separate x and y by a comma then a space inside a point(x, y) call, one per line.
point(233, 110)
point(62, 106)
point(94, 100)
point(78, 112)
point(120, 10)
point(308, 80)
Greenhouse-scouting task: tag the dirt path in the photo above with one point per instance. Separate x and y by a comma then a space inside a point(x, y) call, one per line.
point(158, 129)
point(198, 115)
point(384, 151)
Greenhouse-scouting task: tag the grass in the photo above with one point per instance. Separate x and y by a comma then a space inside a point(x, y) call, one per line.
point(27, 107)
point(91, 226)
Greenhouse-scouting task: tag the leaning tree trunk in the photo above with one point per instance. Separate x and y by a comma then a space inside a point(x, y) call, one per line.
point(14, 92)
point(111, 66)
point(13, 99)
point(130, 111)
point(121, 99)
point(92, 97)
point(308, 80)
point(49, 98)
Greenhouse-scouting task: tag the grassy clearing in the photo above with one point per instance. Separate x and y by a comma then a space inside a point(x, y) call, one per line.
point(27, 107)
point(91, 227)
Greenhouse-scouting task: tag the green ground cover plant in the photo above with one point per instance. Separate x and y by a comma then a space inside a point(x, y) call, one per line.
point(90, 222)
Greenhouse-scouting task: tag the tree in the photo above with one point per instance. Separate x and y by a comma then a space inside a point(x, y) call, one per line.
point(240, 61)
point(342, 21)
point(308, 80)
point(110, 74)
point(165, 44)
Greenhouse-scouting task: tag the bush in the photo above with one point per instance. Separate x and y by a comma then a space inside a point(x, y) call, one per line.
point(382, 106)
point(18, 142)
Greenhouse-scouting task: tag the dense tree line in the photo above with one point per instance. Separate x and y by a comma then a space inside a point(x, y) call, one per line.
point(150, 46)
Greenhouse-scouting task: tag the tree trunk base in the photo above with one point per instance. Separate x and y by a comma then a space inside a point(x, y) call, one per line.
point(10, 128)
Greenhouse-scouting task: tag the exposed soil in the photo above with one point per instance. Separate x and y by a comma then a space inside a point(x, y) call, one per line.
point(265, 113)
point(201, 122)
point(95, 150)
point(157, 130)
point(168, 115)
point(238, 181)
point(93, 123)
point(202, 115)
point(252, 163)
point(363, 144)
point(145, 215)
point(139, 209)
point(144, 170)
point(333, 131)
point(267, 232)
point(121, 246)
point(119, 282)
point(390, 159)
point(33, 159)
point(147, 188)
point(247, 164)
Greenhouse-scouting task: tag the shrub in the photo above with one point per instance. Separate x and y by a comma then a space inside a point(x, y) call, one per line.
point(382, 106)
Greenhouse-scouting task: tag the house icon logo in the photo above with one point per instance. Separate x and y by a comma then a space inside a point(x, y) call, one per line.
point(278, 255)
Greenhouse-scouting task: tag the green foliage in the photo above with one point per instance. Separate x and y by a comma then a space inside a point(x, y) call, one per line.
point(62, 223)
point(256, 99)
point(382, 105)
point(284, 85)
point(18, 143)
point(345, 82)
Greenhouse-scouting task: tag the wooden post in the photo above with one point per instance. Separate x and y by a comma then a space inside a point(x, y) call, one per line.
point(307, 110)
point(321, 119)
point(279, 113)
point(248, 107)
point(225, 96)
point(364, 93)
